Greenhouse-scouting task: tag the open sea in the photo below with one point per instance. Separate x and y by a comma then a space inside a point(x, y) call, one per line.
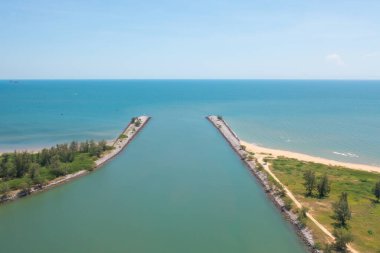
point(178, 187)
point(339, 120)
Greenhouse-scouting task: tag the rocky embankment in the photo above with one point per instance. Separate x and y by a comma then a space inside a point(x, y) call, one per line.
point(271, 190)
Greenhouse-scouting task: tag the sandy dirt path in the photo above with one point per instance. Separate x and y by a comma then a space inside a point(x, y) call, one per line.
point(260, 158)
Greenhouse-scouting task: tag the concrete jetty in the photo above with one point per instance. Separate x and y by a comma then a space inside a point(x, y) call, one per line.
point(249, 161)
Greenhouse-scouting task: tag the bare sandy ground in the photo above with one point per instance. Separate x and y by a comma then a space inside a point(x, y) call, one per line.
point(307, 158)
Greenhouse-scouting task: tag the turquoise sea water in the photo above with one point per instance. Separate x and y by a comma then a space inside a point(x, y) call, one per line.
point(178, 187)
point(334, 119)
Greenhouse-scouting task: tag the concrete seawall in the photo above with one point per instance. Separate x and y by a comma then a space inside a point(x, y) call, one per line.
point(233, 140)
point(119, 144)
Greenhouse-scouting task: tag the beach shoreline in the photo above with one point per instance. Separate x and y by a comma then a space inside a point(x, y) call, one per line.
point(307, 158)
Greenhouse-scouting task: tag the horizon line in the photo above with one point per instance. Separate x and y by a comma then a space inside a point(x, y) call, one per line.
point(185, 79)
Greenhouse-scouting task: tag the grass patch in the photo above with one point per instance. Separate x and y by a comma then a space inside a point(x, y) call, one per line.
point(81, 161)
point(358, 185)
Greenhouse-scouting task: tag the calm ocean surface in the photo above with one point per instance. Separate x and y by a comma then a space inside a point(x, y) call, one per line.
point(178, 187)
point(333, 119)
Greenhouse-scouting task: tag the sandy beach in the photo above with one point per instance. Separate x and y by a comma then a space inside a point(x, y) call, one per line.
point(307, 158)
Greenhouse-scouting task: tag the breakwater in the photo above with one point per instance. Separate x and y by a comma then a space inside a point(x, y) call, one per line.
point(234, 141)
point(120, 143)
point(128, 134)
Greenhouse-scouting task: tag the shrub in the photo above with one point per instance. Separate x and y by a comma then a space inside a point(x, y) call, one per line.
point(4, 188)
point(250, 158)
point(310, 182)
point(302, 216)
point(288, 204)
point(122, 136)
point(138, 123)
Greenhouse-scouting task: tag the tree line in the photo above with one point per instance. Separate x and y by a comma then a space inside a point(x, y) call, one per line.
point(55, 161)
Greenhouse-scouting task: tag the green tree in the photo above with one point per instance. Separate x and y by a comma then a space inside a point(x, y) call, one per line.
point(94, 149)
point(34, 174)
point(323, 186)
point(3, 164)
point(44, 157)
point(342, 238)
point(55, 167)
point(342, 211)
point(22, 162)
point(84, 146)
point(74, 146)
point(34, 170)
point(7, 167)
point(102, 145)
point(65, 153)
point(56, 160)
point(376, 191)
point(310, 182)
point(11, 170)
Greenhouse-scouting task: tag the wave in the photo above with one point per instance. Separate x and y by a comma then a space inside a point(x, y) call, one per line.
point(352, 155)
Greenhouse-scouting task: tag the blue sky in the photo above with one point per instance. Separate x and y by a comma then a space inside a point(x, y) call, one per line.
point(307, 39)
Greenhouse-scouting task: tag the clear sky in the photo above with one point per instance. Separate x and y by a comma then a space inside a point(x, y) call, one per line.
point(320, 39)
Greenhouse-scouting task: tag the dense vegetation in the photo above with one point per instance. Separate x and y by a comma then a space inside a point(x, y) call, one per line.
point(23, 170)
point(343, 200)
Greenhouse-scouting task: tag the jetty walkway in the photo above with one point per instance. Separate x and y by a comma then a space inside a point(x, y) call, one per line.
point(249, 161)
point(124, 139)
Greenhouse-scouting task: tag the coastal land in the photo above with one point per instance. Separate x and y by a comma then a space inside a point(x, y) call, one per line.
point(357, 180)
point(282, 173)
point(47, 168)
point(307, 158)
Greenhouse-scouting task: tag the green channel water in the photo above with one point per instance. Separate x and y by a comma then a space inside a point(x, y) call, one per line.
point(178, 187)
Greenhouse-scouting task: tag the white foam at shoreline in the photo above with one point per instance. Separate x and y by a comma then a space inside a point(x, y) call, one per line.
point(352, 155)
